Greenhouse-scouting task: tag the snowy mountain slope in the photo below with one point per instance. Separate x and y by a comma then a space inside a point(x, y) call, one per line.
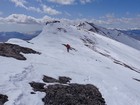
point(111, 33)
point(106, 63)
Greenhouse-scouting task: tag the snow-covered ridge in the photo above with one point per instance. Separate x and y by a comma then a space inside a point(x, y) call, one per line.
point(108, 64)
point(111, 33)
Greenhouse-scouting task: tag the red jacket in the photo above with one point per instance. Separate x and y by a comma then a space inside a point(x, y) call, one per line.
point(68, 46)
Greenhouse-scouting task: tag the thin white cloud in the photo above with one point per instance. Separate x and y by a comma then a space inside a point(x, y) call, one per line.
point(23, 19)
point(122, 23)
point(110, 21)
point(127, 13)
point(69, 2)
point(109, 15)
point(80, 15)
point(34, 9)
point(64, 2)
point(43, 9)
point(138, 15)
point(85, 1)
point(50, 10)
point(39, 1)
point(68, 14)
point(1, 13)
point(20, 3)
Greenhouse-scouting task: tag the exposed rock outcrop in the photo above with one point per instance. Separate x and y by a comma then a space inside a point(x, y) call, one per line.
point(68, 94)
point(13, 50)
point(50, 22)
point(73, 94)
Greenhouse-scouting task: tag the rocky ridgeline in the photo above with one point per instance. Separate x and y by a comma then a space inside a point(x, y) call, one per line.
point(62, 92)
point(13, 50)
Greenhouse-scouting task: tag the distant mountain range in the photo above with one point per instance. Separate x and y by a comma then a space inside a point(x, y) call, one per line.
point(132, 33)
point(5, 36)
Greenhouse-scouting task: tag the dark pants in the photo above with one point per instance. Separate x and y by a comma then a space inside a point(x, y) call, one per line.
point(68, 49)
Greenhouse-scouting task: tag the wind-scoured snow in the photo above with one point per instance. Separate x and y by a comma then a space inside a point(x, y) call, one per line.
point(98, 60)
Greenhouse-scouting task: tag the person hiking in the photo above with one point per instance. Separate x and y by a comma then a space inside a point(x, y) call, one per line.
point(69, 47)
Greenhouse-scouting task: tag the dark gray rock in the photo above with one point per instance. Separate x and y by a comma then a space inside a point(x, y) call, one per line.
point(48, 79)
point(73, 94)
point(3, 99)
point(62, 30)
point(68, 94)
point(50, 22)
point(136, 79)
point(61, 79)
point(37, 86)
point(32, 92)
point(64, 80)
point(13, 50)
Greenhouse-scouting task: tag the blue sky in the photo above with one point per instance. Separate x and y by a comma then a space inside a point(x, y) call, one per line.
point(108, 13)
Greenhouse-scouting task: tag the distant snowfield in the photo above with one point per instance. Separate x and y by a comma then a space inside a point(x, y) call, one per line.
point(90, 64)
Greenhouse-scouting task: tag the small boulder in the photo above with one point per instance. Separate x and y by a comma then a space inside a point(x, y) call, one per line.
point(37, 86)
point(3, 99)
point(48, 79)
point(64, 80)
